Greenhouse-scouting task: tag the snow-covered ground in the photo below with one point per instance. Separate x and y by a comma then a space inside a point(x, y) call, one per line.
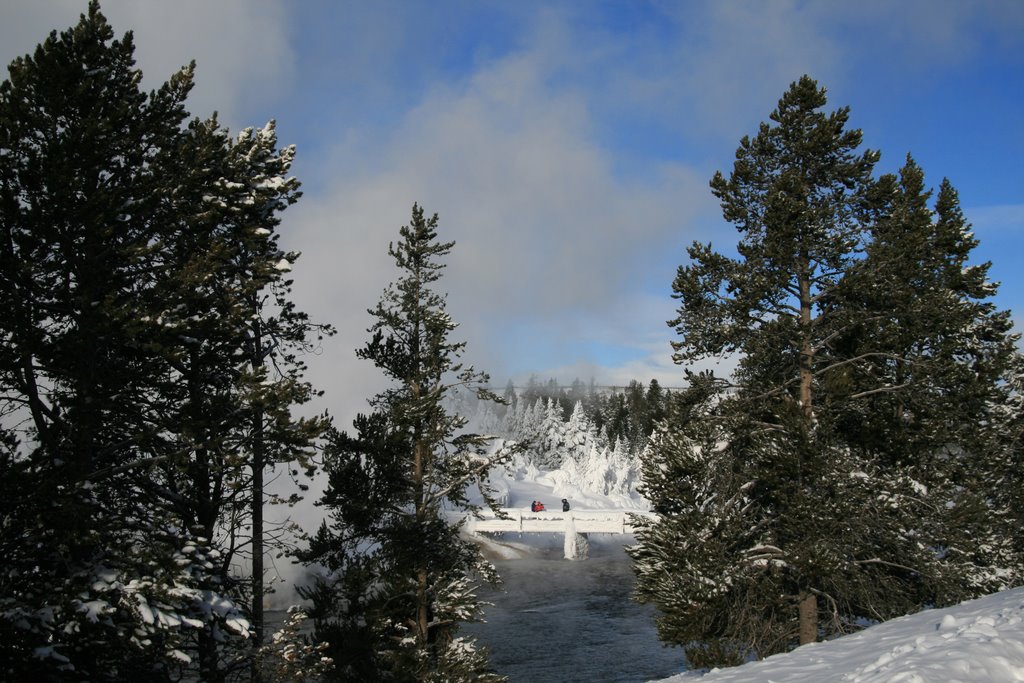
point(980, 641)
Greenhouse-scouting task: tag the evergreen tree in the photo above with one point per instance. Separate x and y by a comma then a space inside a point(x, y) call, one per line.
point(804, 500)
point(654, 401)
point(137, 257)
point(637, 409)
point(531, 426)
point(616, 420)
point(930, 373)
point(550, 443)
point(400, 576)
point(77, 197)
point(1009, 464)
point(231, 341)
point(578, 431)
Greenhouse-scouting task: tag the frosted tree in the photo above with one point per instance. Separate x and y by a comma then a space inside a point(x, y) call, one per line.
point(401, 578)
point(550, 441)
point(578, 434)
point(622, 469)
point(512, 419)
point(530, 428)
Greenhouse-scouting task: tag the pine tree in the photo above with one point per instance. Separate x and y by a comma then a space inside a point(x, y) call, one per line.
point(578, 431)
point(1009, 460)
point(138, 256)
point(655, 404)
point(550, 442)
point(615, 415)
point(77, 196)
point(231, 339)
point(401, 577)
point(930, 380)
point(805, 499)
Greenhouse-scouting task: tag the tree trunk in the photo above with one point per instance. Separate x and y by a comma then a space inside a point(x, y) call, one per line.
point(257, 514)
point(422, 599)
point(808, 618)
point(257, 544)
point(806, 348)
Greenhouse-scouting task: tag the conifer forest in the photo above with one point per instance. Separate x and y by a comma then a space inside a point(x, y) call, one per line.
point(861, 460)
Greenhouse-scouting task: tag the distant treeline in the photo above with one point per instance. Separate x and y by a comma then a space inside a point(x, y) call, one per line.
point(627, 413)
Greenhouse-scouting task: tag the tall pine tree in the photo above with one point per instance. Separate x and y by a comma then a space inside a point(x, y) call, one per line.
point(77, 196)
point(138, 256)
point(231, 340)
point(811, 494)
point(400, 577)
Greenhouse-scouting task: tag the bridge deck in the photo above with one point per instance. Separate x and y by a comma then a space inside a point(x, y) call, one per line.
point(580, 521)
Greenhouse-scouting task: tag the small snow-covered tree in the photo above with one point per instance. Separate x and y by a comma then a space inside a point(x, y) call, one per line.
point(549, 445)
point(578, 433)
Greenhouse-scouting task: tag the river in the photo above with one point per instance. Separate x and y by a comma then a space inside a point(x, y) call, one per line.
point(556, 620)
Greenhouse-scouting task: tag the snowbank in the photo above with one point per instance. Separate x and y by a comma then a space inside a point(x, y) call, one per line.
point(980, 641)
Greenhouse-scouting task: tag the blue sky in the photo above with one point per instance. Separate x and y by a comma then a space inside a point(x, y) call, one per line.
point(567, 146)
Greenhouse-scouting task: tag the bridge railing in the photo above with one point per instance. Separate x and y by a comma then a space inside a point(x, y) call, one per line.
point(555, 521)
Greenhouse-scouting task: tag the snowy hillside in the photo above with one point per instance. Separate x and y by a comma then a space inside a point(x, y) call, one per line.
point(980, 641)
point(595, 484)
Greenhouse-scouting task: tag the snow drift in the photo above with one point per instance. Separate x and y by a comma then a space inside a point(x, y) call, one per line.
point(979, 641)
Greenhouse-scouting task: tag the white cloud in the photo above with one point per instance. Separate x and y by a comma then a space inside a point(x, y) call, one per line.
point(546, 235)
point(241, 47)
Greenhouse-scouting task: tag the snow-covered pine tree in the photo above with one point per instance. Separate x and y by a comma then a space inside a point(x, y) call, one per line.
point(577, 433)
point(83, 546)
point(530, 428)
point(513, 418)
point(231, 343)
point(623, 469)
point(134, 250)
point(781, 521)
point(549, 444)
point(930, 377)
point(615, 417)
point(400, 578)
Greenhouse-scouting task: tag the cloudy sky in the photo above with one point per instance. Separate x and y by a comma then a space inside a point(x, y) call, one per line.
point(567, 146)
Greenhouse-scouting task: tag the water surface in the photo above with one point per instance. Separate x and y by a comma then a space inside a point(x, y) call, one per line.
point(559, 620)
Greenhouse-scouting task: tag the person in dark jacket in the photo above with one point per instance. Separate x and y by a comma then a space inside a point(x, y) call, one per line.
point(565, 505)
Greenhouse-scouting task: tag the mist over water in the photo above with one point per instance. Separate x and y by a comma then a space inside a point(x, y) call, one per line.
point(559, 620)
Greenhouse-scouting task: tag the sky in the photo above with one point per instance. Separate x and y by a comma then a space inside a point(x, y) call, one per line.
point(567, 146)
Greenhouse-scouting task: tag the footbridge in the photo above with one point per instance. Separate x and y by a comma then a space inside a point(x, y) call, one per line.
point(574, 524)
